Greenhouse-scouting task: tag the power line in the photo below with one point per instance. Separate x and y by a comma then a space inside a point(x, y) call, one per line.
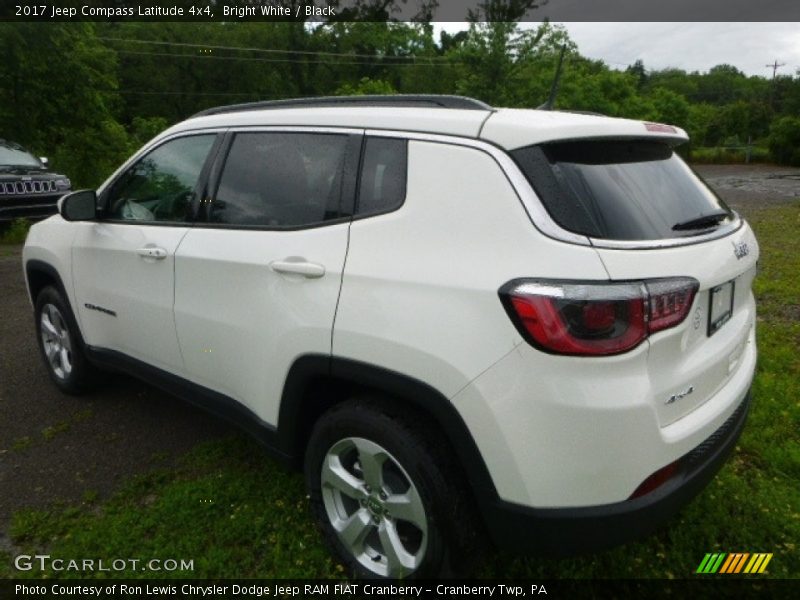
point(274, 50)
point(193, 93)
point(281, 60)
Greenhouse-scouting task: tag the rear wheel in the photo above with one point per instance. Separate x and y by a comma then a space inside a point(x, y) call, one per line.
point(60, 343)
point(385, 495)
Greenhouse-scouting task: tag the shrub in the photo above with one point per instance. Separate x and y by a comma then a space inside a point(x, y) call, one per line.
point(16, 232)
point(784, 141)
point(728, 156)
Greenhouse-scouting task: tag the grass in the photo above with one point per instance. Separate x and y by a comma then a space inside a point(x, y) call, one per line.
point(50, 432)
point(238, 515)
point(224, 506)
point(718, 156)
point(16, 232)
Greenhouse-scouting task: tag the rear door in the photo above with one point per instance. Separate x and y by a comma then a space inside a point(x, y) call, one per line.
point(650, 217)
point(258, 281)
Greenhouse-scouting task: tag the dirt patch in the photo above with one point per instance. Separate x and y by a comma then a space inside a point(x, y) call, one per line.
point(750, 187)
point(789, 313)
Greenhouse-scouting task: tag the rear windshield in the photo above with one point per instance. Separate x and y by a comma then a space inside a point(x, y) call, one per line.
point(621, 190)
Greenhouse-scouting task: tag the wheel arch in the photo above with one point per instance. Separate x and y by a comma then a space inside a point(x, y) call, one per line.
point(317, 382)
point(40, 274)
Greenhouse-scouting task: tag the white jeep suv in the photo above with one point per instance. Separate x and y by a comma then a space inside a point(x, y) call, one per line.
point(460, 321)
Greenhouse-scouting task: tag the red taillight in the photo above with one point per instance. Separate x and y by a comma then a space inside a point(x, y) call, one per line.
point(655, 480)
point(669, 301)
point(600, 318)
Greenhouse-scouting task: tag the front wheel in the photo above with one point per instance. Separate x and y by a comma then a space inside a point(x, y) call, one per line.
point(385, 494)
point(60, 343)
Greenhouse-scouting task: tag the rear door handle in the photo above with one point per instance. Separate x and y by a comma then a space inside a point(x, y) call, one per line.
point(152, 252)
point(298, 267)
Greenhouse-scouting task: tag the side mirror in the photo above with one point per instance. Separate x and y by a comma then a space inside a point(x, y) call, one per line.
point(44, 161)
point(78, 206)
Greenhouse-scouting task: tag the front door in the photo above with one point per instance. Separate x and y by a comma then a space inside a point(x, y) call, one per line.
point(124, 263)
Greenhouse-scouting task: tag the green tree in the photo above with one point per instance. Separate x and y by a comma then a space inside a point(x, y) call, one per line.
point(505, 66)
point(722, 84)
point(701, 117)
point(670, 107)
point(674, 80)
point(366, 86)
point(639, 72)
point(59, 96)
point(784, 140)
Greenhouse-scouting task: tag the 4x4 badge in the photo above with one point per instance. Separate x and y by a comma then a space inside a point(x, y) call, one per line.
point(741, 249)
point(680, 395)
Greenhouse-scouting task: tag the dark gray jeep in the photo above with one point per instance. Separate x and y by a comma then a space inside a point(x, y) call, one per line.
point(27, 188)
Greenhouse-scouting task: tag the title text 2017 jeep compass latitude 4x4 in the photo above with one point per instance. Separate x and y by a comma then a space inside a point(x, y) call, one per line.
point(534, 324)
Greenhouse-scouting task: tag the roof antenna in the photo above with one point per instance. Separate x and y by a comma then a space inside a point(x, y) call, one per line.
point(554, 88)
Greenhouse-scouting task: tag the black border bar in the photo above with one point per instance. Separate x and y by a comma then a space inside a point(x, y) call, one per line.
point(402, 10)
point(698, 586)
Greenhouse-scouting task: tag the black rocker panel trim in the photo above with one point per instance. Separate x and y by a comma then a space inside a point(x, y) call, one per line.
point(215, 403)
point(286, 442)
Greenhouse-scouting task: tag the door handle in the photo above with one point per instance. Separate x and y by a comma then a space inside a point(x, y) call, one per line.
point(298, 267)
point(152, 252)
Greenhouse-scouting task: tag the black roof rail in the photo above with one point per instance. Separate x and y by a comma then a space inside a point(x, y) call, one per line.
point(418, 100)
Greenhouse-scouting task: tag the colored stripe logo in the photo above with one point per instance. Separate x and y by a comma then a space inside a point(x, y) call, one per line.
point(735, 562)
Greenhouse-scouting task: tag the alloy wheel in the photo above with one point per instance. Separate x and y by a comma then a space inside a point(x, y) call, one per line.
point(374, 507)
point(56, 341)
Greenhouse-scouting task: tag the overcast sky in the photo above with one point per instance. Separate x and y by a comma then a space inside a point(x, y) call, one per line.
point(688, 46)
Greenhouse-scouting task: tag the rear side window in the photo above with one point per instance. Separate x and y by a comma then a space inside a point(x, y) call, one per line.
point(382, 186)
point(620, 190)
point(281, 180)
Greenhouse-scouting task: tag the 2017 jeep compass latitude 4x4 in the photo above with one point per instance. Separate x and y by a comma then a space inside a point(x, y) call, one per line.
point(459, 320)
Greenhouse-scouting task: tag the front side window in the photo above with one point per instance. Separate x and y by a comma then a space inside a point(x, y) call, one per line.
point(621, 190)
point(161, 185)
point(279, 180)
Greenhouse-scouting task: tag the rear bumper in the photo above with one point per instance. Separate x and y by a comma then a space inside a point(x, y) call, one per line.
point(565, 531)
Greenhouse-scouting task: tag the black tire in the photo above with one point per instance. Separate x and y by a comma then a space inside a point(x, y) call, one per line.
point(75, 375)
point(448, 545)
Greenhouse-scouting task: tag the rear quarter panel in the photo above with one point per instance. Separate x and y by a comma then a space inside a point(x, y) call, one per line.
point(420, 288)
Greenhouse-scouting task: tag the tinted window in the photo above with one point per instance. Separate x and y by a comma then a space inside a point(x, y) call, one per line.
point(161, 186)
point(622, 190)
point(281, 180)
point(383, 175)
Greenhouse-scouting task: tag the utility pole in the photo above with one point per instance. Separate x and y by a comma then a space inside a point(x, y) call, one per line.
point(775, 66)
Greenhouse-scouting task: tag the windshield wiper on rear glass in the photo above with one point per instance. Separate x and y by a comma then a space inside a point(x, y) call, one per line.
point(702, 222)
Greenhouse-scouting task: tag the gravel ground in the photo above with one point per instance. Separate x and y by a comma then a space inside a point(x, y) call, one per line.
point(60, 449)
point(754, 186)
